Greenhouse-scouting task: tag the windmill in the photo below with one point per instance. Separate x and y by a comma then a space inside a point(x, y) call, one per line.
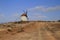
point(24, 16)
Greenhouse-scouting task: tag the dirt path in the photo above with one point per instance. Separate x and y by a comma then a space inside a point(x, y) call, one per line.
point(33, 31)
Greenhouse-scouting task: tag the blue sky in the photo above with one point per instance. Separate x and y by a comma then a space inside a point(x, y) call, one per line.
point(10, 10)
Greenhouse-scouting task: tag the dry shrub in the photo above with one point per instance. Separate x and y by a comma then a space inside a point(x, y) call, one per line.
point(53, 27)
point(9, 30)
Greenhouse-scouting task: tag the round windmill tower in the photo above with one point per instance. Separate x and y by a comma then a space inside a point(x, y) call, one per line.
point(24, 16)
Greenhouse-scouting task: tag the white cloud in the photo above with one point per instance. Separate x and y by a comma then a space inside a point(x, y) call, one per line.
point(53, 8)
point(2, 15)
point(45, 9)
point(15, 15)
point(39, 16)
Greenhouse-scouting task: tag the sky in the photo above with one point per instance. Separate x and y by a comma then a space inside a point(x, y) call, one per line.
point(10, 10)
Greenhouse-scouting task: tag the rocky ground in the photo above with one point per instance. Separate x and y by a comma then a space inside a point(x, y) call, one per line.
point(30, 31)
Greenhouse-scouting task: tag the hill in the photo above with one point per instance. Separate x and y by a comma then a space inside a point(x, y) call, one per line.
point(33, 30)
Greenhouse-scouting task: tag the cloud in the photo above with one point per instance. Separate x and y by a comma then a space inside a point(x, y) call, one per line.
point(45, 9)
point(16, 15)
point(2, 15)
point(53, 8)
point(40, 16)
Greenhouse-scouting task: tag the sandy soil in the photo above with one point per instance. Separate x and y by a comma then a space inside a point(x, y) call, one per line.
point(32, 31)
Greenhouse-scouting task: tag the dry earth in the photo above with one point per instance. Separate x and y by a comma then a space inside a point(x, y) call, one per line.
point(30, 31)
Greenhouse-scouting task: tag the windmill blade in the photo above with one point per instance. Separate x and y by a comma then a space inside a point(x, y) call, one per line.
point(24, 11)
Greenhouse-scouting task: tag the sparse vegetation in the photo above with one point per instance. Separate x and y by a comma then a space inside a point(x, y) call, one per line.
point(10, 30)
point(58, 20)
point(24, 30)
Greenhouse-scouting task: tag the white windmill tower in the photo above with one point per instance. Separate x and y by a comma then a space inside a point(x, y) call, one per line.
point(24, 16)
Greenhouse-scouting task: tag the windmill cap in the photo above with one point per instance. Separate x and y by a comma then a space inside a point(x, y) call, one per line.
point(24, 14)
